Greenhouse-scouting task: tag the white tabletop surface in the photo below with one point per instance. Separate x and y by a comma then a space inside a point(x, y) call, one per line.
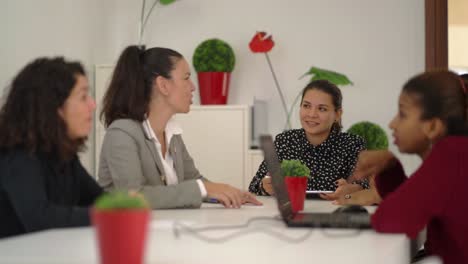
point(265, 240)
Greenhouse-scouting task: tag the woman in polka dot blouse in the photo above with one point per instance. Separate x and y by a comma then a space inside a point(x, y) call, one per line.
point(329, 153)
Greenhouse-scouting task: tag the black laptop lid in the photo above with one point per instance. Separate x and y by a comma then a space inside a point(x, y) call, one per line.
point(274, 167)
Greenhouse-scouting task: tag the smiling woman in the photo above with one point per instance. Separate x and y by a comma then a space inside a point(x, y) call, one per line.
point(329, 153)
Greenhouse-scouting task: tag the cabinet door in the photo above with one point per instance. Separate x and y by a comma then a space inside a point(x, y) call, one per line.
point(217, 139)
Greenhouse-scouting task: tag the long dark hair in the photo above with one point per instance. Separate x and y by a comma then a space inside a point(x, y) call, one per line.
point(441, 94)
point(328, 88)
point(29, 118)
point(129, 92)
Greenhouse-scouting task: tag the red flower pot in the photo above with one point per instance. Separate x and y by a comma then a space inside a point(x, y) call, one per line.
point(121, 234)
point(296, 187)
point(214, 87)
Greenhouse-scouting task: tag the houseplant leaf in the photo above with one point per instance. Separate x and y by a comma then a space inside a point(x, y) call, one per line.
point(322, 74)
point(166, 2)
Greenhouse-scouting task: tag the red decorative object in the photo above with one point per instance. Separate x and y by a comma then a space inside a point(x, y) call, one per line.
point(261, 42)
point(214, 87)
point(121, 235)
point(296, 187)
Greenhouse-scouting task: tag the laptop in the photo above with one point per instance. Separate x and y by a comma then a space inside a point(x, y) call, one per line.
point(302, 219)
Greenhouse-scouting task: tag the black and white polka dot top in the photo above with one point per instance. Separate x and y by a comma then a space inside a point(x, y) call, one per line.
point(333, 159)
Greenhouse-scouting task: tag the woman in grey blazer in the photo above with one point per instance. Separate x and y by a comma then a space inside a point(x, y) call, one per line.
point(143, 148)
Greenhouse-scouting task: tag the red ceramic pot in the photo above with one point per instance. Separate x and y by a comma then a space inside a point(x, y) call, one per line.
point(296, 187)
point(121, 234)
point(214, 87)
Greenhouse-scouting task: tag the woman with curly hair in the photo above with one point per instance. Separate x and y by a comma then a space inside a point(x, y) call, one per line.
point(44, 122)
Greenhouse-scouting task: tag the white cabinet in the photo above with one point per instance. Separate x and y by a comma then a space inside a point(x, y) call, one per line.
point(217, 138)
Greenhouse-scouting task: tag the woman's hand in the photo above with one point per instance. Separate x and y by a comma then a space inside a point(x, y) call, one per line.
point(343, 188)
point(229, 196)
point(372, 162)
point(250, 198)
point(363, 197)
point(267, 185)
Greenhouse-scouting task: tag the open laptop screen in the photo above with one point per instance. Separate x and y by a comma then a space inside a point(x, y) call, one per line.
point(274, 167)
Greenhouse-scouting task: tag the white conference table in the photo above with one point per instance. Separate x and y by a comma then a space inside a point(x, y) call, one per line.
point(265, 240)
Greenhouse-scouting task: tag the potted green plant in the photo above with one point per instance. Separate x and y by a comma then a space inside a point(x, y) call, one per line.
point(295, 177)
point(214, 61)
point(121, 223)
point(374, 136)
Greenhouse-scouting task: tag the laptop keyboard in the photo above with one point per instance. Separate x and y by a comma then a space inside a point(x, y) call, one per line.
point(336, 220)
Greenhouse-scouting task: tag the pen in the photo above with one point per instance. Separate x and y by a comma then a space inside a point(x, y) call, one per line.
point(212, 200)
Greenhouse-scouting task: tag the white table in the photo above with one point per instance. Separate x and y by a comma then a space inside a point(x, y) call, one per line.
point(255, 243)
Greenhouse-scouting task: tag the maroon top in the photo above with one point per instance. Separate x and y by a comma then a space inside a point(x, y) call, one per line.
point(435, 195)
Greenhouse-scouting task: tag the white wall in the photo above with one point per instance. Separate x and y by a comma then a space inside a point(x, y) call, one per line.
point(30, 28)
point(377, 43)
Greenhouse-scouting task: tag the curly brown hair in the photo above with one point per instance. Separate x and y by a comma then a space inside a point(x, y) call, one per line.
point(29, 118)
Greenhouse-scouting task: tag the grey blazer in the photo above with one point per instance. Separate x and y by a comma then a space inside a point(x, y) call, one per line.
point(129, 161)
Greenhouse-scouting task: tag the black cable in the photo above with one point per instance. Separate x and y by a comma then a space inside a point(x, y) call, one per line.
point(196, 232)
point(179, 227)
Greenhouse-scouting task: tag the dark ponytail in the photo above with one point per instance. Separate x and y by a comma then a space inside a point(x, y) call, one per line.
point(130, 89)
point(441, 94)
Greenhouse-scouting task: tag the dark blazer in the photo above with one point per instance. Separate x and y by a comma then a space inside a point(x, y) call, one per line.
point(38, 192)
point(129, 161)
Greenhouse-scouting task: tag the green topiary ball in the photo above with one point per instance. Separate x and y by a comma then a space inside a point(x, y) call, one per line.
point(119, 200)
point(374, 136)
point(214, 55)
point(294, 168)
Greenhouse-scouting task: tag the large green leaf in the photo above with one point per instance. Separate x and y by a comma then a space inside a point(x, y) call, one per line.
point(331, 76)
point(166, 2)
